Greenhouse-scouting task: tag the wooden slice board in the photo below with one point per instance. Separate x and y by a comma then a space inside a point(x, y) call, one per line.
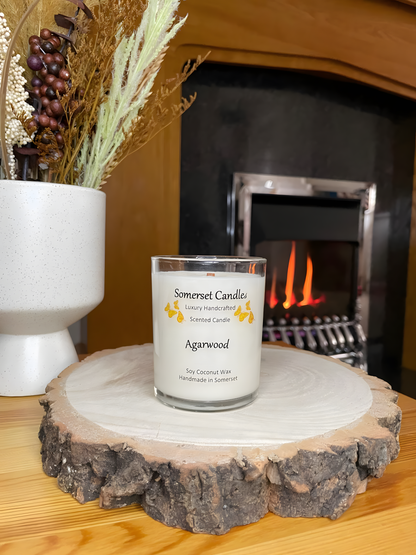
point(318, 431)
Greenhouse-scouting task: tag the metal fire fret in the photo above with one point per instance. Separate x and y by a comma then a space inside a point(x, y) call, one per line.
point(337, 337)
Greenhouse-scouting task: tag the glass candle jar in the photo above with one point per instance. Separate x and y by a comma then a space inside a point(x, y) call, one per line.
point(207, 330)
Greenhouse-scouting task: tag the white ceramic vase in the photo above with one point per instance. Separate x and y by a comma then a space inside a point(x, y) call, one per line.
point(52, 241)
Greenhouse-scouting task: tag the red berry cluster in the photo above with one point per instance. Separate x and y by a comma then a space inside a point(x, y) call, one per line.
point(51, 75)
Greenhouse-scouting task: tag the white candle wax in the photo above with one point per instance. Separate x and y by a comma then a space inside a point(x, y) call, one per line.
point(207, 334)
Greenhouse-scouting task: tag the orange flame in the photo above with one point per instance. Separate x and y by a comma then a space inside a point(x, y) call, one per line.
point(290, 297)
point(273, 300)
point(307, 286)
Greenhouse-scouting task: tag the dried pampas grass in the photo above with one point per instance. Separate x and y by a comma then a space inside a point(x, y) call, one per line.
point(154, 117)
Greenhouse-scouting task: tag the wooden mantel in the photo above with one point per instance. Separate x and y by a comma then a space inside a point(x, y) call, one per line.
point(370, 41)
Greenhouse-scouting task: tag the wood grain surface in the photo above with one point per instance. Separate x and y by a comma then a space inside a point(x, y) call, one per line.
point(37, 518)
point(409, 2)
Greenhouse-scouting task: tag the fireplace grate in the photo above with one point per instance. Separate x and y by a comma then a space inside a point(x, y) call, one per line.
point(337, 337)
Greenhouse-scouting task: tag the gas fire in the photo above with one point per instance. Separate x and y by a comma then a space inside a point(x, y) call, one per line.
point(307, 299)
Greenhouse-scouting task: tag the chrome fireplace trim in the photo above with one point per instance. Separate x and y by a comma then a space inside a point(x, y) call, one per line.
point(240, 204)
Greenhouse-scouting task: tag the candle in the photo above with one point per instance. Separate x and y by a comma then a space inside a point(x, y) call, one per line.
point(207, 328)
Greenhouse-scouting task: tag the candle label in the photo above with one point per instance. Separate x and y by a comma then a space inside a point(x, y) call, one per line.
point(207, 334)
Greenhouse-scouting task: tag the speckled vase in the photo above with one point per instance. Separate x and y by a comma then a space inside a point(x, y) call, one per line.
point(52, 240)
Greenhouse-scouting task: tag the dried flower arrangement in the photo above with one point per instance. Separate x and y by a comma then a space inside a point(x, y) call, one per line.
point(92, 102)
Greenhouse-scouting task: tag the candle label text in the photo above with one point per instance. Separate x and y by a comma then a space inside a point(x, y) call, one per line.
point(217, 295)
point(207, 334)
point(206, 345)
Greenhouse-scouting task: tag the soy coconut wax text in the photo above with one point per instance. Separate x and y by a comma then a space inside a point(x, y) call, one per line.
point(207, 327)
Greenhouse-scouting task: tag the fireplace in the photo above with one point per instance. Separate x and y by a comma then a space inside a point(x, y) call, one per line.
point(283, 123)
point(316, 236)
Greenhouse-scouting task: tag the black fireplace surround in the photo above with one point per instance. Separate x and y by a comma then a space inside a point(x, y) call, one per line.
point(275, 122)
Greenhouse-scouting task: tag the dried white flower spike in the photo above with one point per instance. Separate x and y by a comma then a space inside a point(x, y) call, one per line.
point(16, 97)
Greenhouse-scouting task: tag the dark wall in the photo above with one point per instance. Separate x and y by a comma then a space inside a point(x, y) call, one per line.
point(265, 121)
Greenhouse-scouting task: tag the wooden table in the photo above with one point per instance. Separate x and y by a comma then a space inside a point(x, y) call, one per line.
point(37, 518)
